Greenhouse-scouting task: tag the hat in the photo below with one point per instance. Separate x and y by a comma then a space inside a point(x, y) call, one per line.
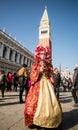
point(24, 65)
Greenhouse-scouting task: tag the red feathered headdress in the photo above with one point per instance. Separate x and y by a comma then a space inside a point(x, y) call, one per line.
point(43, 50)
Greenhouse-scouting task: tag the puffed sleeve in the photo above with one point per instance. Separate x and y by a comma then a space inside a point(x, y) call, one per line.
point(34, 73)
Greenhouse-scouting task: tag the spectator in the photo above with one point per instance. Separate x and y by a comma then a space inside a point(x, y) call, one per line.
point(22, 81)
point(69, 84)
point(2, 82)
point(65, 84)
point(9, 81)
point(15, 81)
point(75, 84)
point(57, 80)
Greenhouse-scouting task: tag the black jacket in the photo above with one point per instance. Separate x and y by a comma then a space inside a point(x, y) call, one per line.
point(75, 78)
point(57, 80)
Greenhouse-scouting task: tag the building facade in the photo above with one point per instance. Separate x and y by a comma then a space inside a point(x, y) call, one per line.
point(13, 54)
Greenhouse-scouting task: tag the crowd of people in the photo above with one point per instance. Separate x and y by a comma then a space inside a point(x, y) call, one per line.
point(42, 88)
point(11, 82)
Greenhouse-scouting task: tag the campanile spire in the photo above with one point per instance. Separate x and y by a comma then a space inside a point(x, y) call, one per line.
point(45, 15)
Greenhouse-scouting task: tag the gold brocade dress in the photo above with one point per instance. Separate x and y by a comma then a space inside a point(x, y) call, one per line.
point(42, 107)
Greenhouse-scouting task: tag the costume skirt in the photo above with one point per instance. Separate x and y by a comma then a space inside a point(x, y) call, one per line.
point(42, 107)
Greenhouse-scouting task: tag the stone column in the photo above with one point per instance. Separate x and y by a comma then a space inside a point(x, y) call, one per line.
point(22, 61)
point(25, 60)
point(18, 57)
point(7, 52)
point(28, 62)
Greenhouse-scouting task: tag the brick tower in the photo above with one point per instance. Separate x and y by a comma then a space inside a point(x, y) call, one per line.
point(45, 31)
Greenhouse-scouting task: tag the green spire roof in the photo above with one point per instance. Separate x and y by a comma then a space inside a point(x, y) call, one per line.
point(45, 15)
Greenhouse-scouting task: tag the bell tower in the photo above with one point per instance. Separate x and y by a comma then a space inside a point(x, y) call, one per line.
point(45, 31)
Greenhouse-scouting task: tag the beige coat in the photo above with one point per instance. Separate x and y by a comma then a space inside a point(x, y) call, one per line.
point(24, 71)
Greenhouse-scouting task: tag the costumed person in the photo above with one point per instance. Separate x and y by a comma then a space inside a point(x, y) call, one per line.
point(42, 108)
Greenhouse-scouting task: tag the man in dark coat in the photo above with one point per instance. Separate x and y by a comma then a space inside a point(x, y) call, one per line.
point(57, 80)
point(75, 84)
point(22, 81)
point(2, 82)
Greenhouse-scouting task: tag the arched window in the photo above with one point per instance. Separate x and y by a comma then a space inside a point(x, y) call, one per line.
point(27, 61)
point(24, 60)
point(4, 51)
point(10, 57)
point(20, 58)
point(43, 32)
point(16, 57)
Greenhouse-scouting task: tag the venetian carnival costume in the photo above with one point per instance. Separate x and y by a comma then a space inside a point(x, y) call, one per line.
point(42, 107)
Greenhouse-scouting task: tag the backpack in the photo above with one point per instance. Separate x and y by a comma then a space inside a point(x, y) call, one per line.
point(22, 81)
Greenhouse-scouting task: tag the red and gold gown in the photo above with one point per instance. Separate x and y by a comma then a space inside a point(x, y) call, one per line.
point(42, 107)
